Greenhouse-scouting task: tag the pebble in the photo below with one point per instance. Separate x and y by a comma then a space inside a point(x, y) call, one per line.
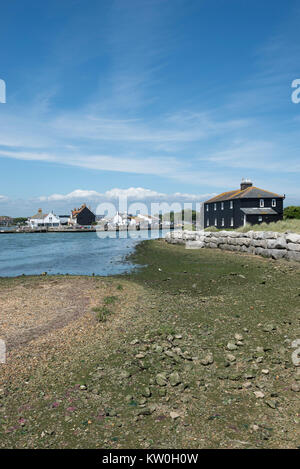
point(144, 411)
point(271, 403)
point(269, 328)
point(174, 415)
point(161, 379)
point(146, 392)
point(265, 372)
point(208, 360)
point(231, 346)
point(134, 342)
point(295, 387)
point(238, 337)
point(247, 385)
point(259, 394)
point(174, 379)
point(230, 357)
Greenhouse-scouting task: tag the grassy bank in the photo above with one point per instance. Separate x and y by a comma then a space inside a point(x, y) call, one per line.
point(191, 351)
point(282, 226)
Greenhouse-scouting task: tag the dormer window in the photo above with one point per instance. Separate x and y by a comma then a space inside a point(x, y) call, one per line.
point(261, 203)
point(273, 202)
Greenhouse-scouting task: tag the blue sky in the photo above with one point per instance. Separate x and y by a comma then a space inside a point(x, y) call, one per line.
point(180, 99)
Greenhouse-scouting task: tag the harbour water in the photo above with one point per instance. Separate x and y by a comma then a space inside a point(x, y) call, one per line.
point(69, 253)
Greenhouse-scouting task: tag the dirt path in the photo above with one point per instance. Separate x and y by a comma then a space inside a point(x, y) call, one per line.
point(33, 309)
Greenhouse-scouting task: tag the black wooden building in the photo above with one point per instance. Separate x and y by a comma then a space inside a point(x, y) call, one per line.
point(249, 204)
point(83, 216)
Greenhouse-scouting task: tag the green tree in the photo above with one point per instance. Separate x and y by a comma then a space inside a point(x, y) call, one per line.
point(19, 221)
point(291, 212)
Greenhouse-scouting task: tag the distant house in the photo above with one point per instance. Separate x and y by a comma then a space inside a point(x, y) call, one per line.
point(249, 204)
point(51, 220)
point(5, 221)
point(125, 219)
point(41, 219)
point(82, 216)
point(141, 219)
point(63, 219)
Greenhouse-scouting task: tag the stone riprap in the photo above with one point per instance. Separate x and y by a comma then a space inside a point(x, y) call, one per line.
point(261, 243)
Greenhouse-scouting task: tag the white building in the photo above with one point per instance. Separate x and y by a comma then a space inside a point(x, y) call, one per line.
point(41, 219)
point(124, 219)
point(121, 219)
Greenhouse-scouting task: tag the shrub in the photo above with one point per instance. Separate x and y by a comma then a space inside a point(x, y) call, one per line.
point(101, 313)
point(110, 300)
point(291, 212)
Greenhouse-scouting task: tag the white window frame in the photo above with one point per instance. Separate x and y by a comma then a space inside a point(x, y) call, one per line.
point(215, 206)
point(216, 222)
point(223, 222)
point(260, 219)
point(222, 205)
point(207, 223)
point(273, 202)
point(232, 221)
point(231, 204)
point(261, 203)
point(207, 207)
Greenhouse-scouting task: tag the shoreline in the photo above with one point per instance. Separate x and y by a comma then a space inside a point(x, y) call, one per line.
point(85, 230)
point(175, 348)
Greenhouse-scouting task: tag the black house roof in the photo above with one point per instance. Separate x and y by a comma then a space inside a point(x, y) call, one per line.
point(251, 192)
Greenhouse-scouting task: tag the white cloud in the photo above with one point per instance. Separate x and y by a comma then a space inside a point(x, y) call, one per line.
point(135, 193)
point(77, 194)
point(3, 198)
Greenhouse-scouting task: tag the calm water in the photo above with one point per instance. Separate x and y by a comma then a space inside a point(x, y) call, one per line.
point(72, 253)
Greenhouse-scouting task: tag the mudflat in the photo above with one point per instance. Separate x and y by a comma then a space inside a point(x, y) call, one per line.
point(192, 350)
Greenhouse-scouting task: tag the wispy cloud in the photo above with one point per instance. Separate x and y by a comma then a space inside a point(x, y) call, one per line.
point(259, 155)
